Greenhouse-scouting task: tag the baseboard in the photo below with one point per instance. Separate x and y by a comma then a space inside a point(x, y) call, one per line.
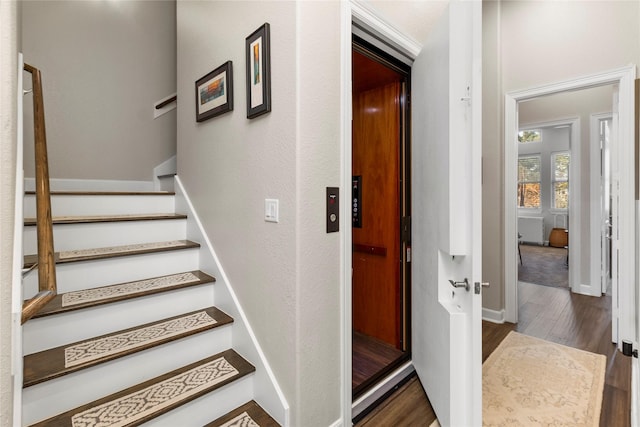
point(635, 392)
point(267, 391)
point(62, 184)
point(380, 389)
point(336, 423)
point(493, 316)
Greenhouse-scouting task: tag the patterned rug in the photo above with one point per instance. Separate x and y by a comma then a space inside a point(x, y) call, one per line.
point(544, 265)
point(527, 381)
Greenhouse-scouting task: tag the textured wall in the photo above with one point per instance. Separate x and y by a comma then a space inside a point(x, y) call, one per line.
point(104, 65)
point(286, 275)
point(8, 132)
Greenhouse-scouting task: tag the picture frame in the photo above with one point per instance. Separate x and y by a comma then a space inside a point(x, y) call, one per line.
point(214, 92)
point(258, 59)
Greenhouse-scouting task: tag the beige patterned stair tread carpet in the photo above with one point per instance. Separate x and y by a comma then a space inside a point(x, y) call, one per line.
point(99, 348)
point(131, 288)
point(117, 250)
point(528, 381)
point(242, 420)
point(143, 403)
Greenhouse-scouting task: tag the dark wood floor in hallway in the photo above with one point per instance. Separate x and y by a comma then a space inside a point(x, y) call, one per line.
point(554, 314)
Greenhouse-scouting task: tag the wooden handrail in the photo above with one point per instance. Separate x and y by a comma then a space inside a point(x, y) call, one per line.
point(167, 102)
point(47, 286)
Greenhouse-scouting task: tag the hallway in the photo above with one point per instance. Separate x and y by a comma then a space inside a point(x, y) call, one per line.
point(549, 313)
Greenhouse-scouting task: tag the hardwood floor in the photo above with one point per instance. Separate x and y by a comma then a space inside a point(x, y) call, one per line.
point(370, 357)
point(409, 406)
point(554, 314)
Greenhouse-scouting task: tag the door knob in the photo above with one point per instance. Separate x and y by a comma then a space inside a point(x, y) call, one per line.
point(464, 284)
point(478, 285)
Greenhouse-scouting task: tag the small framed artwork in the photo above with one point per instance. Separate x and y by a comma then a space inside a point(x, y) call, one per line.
point(258, 72)
point(214, 93)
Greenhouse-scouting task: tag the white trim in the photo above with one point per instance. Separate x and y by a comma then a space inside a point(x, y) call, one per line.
point(346, 314)
point(63, 184)
point(381, 388)
point(365, 16)
point(625, 78)
point(336, 423)
point(360, 12)
point(18, 235)
point(493, 316)
point(270, 396)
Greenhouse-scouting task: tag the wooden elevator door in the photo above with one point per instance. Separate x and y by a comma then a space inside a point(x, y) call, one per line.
point(376, 245)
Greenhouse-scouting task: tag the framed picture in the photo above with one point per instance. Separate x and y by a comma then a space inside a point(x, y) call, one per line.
point(214, 92)
point(258, 72)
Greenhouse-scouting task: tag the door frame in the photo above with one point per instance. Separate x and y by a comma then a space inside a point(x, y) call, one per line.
point(367, 18)
point(625, 79)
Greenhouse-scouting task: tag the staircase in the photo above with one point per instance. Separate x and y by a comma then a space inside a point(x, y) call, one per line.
point(134, 335)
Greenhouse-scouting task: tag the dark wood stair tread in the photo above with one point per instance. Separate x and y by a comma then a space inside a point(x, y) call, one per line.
point(107, 193)
point(106, 218)
point(56, 362)
point(113, 251)
point(155, 397)
point(250, 409)
point(86, 298)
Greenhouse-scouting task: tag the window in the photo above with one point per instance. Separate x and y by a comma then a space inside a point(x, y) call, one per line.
point(531, 135)
point(560, 180)
point(529, 182)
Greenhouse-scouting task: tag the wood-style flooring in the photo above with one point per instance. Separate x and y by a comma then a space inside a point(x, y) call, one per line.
point(554, 314)
point(370, 357)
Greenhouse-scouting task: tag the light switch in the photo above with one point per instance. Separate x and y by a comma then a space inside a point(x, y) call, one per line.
point(271, 210)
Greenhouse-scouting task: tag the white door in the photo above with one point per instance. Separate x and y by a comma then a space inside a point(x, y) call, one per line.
point(604, 128)
point(446, 216)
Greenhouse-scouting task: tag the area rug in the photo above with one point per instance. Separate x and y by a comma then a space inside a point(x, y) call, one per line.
point(527, 381)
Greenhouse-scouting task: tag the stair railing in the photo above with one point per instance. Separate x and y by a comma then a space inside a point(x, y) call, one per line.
point(47, 287)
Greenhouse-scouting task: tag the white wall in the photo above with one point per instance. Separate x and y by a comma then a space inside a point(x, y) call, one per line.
point(286, 275)
point(104, 64)
point(8, 132)
point(534, 43)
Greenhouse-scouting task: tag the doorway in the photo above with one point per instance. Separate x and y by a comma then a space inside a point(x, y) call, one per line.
point(380, 215)
point(622, 162)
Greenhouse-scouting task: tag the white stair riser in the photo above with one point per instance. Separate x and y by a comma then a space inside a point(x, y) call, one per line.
point(52, 331)
point(208, 407)
point(75, 276)
point(99, 235)
point(47, 399)
point(64, 205)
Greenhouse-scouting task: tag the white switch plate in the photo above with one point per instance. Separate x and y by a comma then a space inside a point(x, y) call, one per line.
point(271, 213)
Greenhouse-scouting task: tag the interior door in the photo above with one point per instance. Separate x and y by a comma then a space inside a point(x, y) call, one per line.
point(604, 126)
point(446, 225)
